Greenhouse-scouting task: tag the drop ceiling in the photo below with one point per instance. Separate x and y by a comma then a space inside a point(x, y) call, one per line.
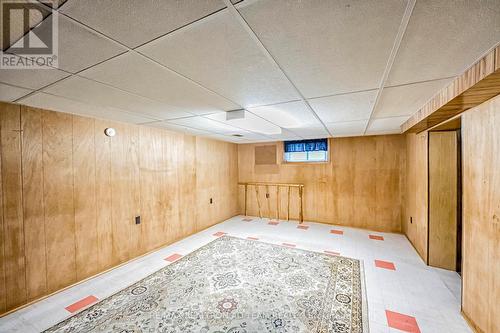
point(299, 69)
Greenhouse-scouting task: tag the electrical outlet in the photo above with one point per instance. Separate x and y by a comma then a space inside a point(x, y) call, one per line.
point(267, 195)
point(138, 219)
point(211, 201)
point(411, 220)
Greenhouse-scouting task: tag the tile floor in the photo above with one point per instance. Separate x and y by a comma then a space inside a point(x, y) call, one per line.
point(404, 295)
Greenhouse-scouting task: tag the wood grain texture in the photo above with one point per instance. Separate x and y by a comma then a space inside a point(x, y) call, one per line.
point(58, 199)
point(443, 177)
point(415, 221)
point(3, 293)
point(84, 198)
point(34, 222)
point(475, 86)
point(481, 215)
point(361, 186)
point(79, 192)
point(265, 154)
point(13, 242)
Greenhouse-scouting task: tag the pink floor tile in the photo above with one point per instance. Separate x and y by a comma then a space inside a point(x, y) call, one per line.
point(273, 223)
point(385, 264)
point(81, 304)
point(332, 253)
point(173, 257)
point(288, 244)
point(336, 232)
point(375, 237)
point(219, 233)
point(402, 322)
point(252, 238)
point(303, 227)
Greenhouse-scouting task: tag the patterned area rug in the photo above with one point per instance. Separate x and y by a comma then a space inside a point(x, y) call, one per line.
point(234, 285)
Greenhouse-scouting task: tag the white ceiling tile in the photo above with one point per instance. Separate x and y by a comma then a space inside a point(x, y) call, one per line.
point(206, 124)
point(346, 107)
point(218, 53)
point(79, 47)
point(56, 103)
point(148, 79)
point(250, 122)
point(444, 38)
point(31, 78)
point(86, 91)
point(407, 99)
point(328, 47)
point(287, 115)
point(311, 132)
point(11, 93)
point(348, 128)
point(285, 135)
point(227, 138)
point(386, 125)
point(178, 128)
point(135, 22)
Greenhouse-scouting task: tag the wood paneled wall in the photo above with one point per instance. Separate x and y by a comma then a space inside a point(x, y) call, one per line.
point(361, 186)
point(481, 215)
point(443, 203)
point(69, 196)
point(414, 223)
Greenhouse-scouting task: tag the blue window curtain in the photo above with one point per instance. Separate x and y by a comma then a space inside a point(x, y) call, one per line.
point(306, 145)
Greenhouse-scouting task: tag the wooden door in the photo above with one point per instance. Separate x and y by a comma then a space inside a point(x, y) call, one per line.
point(443, 203)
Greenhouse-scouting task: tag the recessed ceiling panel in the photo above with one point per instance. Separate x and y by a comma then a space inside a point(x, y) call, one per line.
point(79, 47)
point(311, 132)
point(227, 138)
point(285, 135)
point(287, 115)
point(389, 125)
point(136, 74)
point(87, 91)
point(206, 124)
point(56, 103)
point(346, 107)
point(31, 78)
point(11, 93)
point(134, 22)
point(407, 99)
point(249, 122)
point(347, 128)
point(328, 47)
point(178, 128)
point(218, 53)
point(444, 38)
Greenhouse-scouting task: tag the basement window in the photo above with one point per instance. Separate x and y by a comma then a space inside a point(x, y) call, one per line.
point(315, 150)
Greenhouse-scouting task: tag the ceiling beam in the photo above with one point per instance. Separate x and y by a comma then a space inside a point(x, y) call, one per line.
point(476, 85)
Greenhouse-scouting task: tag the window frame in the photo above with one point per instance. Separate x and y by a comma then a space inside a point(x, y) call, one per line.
point(285, 161)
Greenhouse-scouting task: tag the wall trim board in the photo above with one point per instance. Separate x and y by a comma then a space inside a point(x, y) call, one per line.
point(476, 85)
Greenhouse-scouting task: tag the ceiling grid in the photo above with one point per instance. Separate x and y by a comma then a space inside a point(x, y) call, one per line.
point(185, 71)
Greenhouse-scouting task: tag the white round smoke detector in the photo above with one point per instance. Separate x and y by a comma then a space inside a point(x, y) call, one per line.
point(110, 131)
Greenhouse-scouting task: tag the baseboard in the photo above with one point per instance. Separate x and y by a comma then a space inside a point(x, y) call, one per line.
point(106, 271)
point(415, 248)
point(471, 323)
